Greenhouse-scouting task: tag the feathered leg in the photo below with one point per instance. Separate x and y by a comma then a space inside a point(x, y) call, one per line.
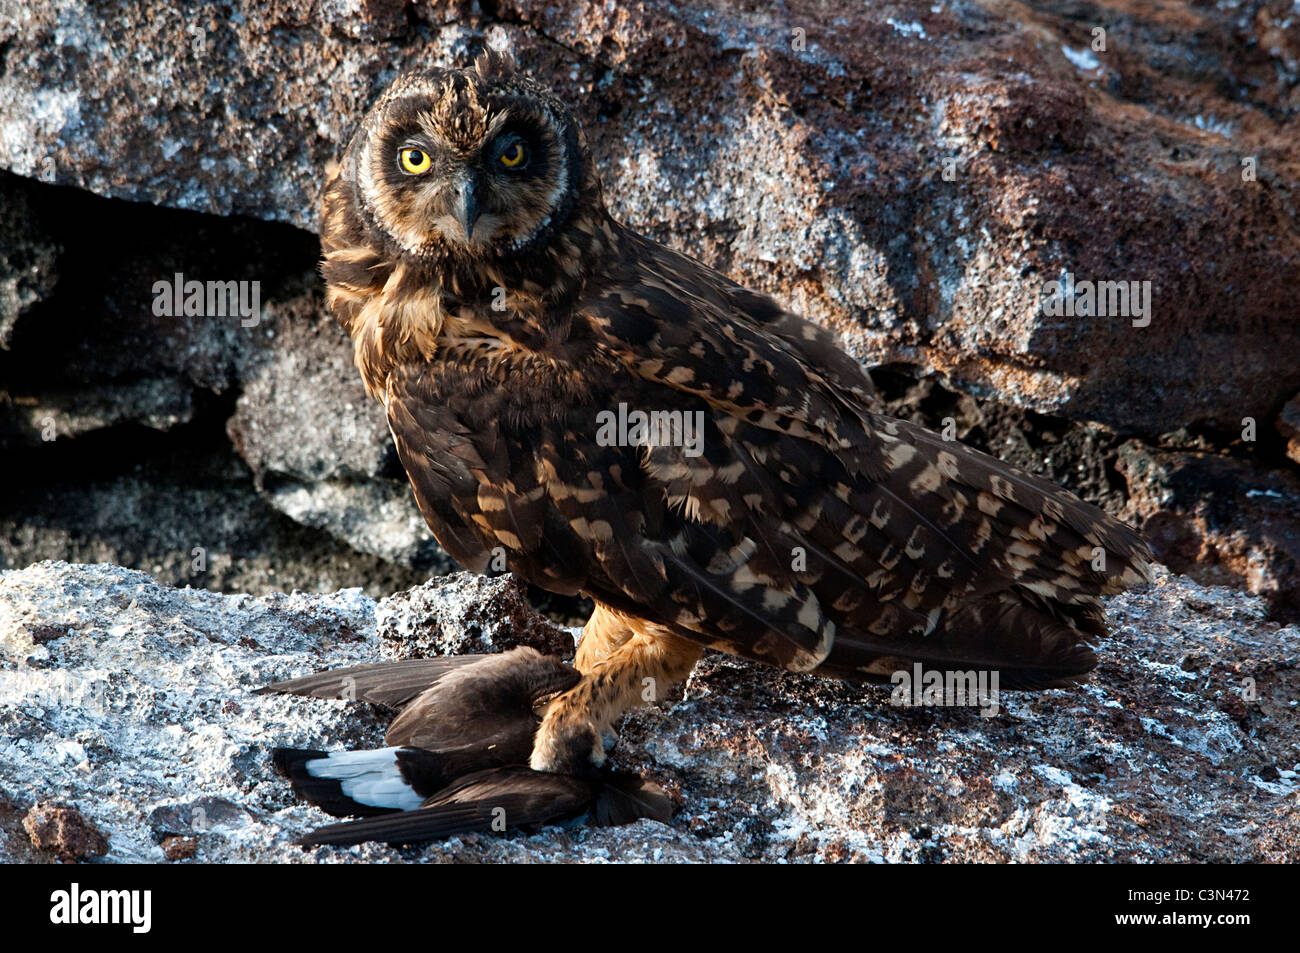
point(624, 663)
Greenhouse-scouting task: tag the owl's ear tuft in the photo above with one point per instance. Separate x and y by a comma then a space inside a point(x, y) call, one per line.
point(494, 63)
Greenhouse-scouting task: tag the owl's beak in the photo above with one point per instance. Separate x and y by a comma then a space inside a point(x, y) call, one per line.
point(466, 208)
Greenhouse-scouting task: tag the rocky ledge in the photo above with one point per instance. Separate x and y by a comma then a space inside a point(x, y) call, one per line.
point(129, 732)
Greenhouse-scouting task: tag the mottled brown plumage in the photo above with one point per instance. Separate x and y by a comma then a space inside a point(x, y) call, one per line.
point(810, 531)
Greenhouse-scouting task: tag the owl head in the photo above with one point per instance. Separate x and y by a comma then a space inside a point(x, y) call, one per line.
point(468, 163)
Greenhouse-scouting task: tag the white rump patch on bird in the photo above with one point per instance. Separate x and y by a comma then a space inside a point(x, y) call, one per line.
point(370, 777)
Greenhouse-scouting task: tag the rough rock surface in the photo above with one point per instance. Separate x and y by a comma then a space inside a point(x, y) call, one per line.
point(131, 703)
point(27, 259)
point(1217, 516)
point(63, 832)
point(912, 173)
point(95, 376)
point(319, 447)
point(178, 507)
point(464, 614)
point(1288, 425)
point(909, 173)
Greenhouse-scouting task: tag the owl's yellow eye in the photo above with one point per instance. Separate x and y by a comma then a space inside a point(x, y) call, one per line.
point(415, 161)
point(514, 156)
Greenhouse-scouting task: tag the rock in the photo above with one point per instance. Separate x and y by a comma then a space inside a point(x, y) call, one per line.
point(158, 403)
point(912, 176)
point(28, 259)
point(93, 359)
point(464, 614)
point(372, 516)
point(180, 848)
point(1180, 749)
point(1288, 425)
point(97, 325)
point(61, 830)
point(1218, 518)
point(180, 507)
point(319, 447)
point(304, 412)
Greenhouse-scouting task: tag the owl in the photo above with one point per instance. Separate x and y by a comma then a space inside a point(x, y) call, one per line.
point(602, 415)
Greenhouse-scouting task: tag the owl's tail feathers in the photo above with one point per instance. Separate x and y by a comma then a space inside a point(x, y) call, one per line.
point(1029, 642)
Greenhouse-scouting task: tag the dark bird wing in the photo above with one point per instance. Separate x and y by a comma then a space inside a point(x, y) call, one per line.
point(363, 783)
point(489, 706)
point(624, 798)
point(807, 531)
point(457, 761)
point(480, 713)
point(511, 681)
point(497, 800)
point(504, 799)
point(391, 684)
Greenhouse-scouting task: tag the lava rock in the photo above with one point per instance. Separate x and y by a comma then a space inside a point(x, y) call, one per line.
point(912, 175)
point(127, 715)
point(466, 614)
point(62, 830)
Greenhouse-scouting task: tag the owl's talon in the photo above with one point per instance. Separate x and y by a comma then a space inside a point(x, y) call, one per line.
point(567, 743)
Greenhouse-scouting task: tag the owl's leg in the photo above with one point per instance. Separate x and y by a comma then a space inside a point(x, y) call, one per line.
point(624, 663)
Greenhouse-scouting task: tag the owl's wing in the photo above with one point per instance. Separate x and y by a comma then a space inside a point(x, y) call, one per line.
point(799, 528)
point(911, 546)
point(572, 513)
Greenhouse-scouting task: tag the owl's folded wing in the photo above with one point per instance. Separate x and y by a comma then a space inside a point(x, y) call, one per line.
point(912, 545)
point(784, 520)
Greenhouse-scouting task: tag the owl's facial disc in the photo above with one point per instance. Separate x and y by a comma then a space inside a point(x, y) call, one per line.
point(483, 195)
point(461, 169)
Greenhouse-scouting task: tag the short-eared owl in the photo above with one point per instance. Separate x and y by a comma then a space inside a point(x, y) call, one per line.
point(602, 415)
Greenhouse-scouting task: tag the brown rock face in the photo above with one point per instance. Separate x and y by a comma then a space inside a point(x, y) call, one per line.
point(179, 848)
point(1288, 425)
point(61, 830)
point(915, 176)
point(1216, 517)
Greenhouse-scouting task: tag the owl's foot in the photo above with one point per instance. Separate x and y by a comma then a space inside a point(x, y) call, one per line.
point(569, 741)
point(624, 665)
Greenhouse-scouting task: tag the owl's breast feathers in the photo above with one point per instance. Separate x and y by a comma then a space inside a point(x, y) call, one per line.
point(797, 527)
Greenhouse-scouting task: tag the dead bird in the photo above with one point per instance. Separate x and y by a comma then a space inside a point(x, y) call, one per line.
point(456, 755)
